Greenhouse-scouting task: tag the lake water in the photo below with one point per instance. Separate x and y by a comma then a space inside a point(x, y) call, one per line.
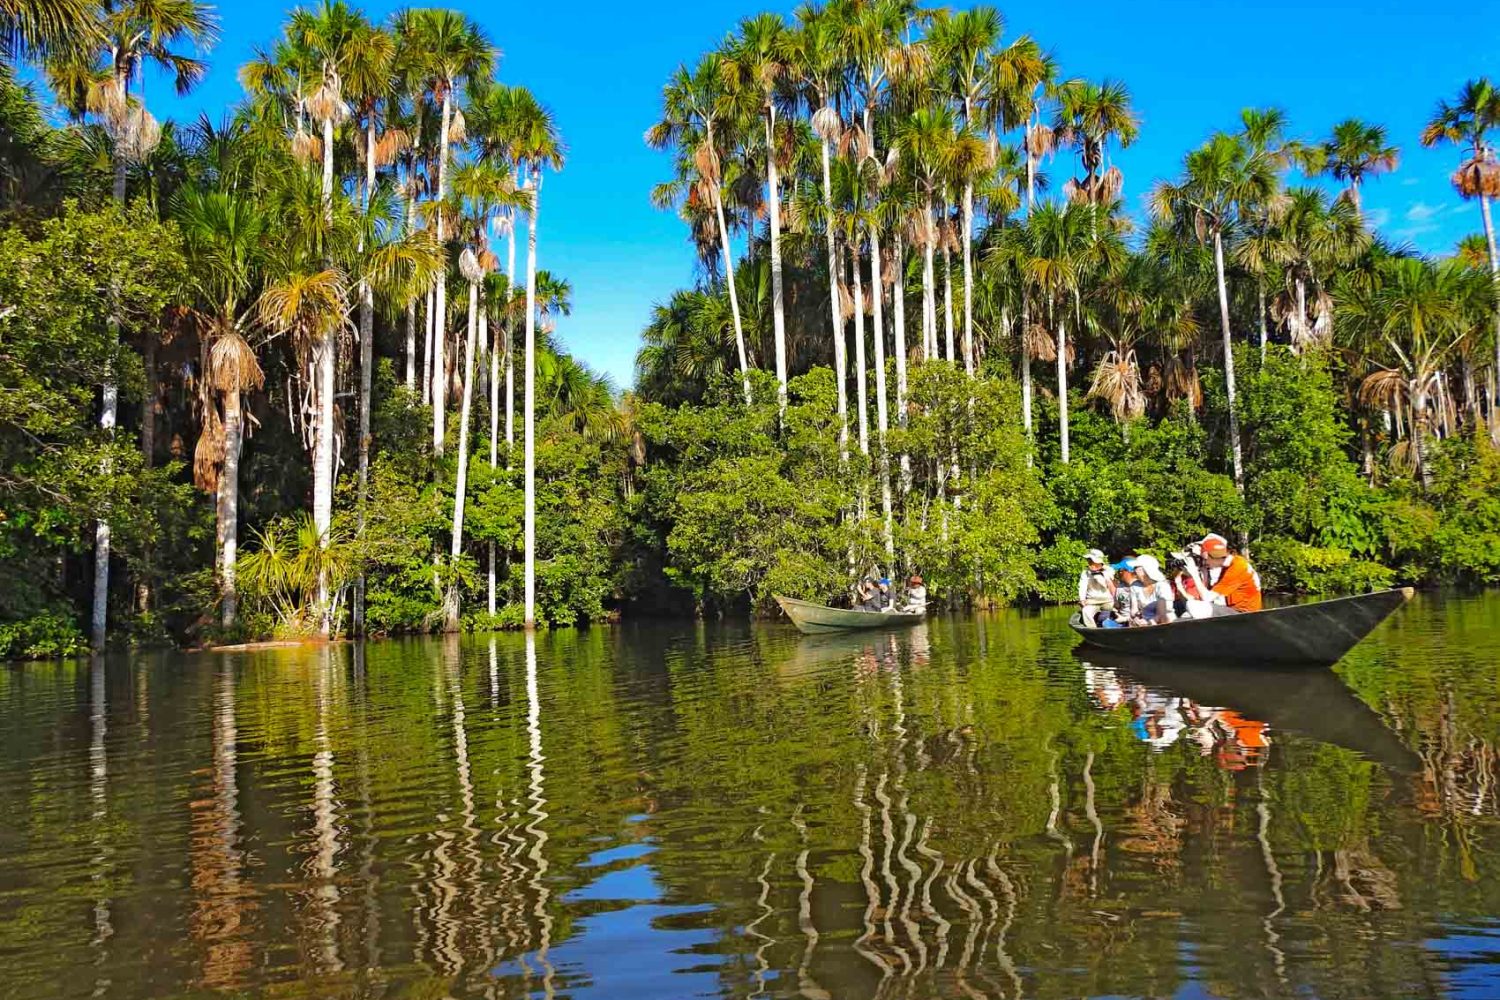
point(962, 809)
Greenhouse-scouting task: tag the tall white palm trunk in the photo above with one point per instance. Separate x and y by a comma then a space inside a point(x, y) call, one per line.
point(325, 356)
point(461, 484)
point(366, 364)
point(1062, 385)
point(929, 291)
point(228, 508)
point(529, 402)
point(494, 349)
point(970, 359)
point(861, 390)
point(840, 364)
point(778, 304)
point(1489, 236)
point(898, 307)
point(510, 346)
point(411, 304)
point(948, 306)
point(440, 331)
point(1229, 389)
point(430, 324)
point(728, 254)
point(882, 415)
point(1026, 391)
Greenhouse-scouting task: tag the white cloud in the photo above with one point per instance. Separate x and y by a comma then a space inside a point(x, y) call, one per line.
point(1421, 213)
point(1378, 218)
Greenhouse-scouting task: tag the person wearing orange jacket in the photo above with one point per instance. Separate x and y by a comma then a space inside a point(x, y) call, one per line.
point(1231, 576)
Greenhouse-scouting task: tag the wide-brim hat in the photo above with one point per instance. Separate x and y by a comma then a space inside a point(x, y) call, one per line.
point(1150, 567)
point(1094, 556)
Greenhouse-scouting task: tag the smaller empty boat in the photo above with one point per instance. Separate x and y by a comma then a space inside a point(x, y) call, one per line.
point(815, 618)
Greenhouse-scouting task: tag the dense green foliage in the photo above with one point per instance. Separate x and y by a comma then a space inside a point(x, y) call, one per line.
point(319, 355)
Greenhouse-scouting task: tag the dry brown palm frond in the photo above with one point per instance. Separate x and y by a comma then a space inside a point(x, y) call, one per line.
point(1110, 184)
point(1386, 389)
point(1117, 381)
point(232, 365)
point(1154, 383)
point(1040, 140)
point(855, 142)
point(390, 146)
point(458, 126)
point(793, 217)
point(846, 301)
point(1180, 381)
point(327, 102)
point(1478, 176)
point(706, 160)
point(208, 456)
point(1039, 343)
point(307, 147)
point(1402, 455)
point(827, 124)
point(488, 261)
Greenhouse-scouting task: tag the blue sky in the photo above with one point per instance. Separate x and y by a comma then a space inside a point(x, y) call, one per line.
point(1190, 66)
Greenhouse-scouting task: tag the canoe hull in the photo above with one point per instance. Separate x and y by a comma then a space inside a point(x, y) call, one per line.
point(815, 619)
point(1301, 634)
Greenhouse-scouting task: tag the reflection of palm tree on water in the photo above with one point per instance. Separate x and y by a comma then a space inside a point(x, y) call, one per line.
point(324, 901)
point(99, 794)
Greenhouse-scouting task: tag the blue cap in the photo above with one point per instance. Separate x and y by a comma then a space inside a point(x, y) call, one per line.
point(1124, 564)
point(885, 580)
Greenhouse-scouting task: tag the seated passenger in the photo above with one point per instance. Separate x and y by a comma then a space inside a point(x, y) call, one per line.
point(916, 597)
point(1096, 589)
point(1157, 597)
point(1231, 576)
point(867, 597)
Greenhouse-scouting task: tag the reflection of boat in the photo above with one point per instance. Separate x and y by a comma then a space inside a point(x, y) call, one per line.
point(1314, 703)
point(810, 656)
point(1317, 633)
point(814, 618)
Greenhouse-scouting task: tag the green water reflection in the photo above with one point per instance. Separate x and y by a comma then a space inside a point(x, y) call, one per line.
point(962, 809)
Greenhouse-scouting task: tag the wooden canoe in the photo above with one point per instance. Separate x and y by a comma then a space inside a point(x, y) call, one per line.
point(1300, 634)
point(815, 618)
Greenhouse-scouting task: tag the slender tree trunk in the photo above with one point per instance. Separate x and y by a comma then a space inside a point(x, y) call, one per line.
point(898, 306)
point(411, 304)
point(1260, 292)
point(461, 485)
point(1062, 386)
point(148, 406)
point(108, 413)
point(734, 295)
point(836, 313)
point(1489, 236)
point(323, 439)
point(427, 336)
point(510, 345)
point(778, 305)
point(494, 348)
point(882, 415)
point(1229, 389)
point(228, 507)
point(440, 334)
point(1304, 328)
point(861, 388)
point(929, 292)
point(968, 237)
point(1419, 422)
point(948, 307)
point(529, 401)
point(366, 380)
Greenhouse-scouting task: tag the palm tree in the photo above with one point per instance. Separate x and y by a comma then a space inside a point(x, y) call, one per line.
point(1311, 240)
point(814, 54)
point(449, 49)
point(695, 115)
point(1410, 324)
point(1088, 116)
point(962, 43)
point(1218, 179)
point(925, 143)
point(1467, 123)
point(133, 34)
point(536, 144)
point(1353, 151)
point(224, 234)
point(32, 29)
point(755, 64)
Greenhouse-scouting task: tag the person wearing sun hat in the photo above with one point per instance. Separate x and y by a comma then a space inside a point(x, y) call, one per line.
point(1230, 576)
point(1096, 588)
point(1157, 597)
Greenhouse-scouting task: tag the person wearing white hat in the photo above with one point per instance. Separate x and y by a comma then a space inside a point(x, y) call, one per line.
point(1158, 599)
point(1096, 588)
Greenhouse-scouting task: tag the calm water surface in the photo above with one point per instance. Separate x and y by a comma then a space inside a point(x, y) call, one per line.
point(964, 809)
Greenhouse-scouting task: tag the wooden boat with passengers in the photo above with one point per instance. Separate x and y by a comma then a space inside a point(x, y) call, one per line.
point(1319, 633)
point(817, 618)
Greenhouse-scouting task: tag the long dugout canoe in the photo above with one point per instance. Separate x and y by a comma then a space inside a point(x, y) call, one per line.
point(1319, 633)
point(815, 618)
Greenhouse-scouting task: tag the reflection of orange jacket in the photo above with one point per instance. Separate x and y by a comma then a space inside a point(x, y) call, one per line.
point(1238, 584)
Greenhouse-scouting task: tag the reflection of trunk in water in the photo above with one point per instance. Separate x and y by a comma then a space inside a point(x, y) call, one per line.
point(1055, 795)
point(470, 875)
point(1008, 890)
point(325, 894)
point(372, 958)
point(913, 931)
point(762, 967)
point(991, 911)
point(220, 903)
point(872, 891)
point(1263, 836)
point(943, 926)
point(806, 984)
point(538, 813)
point(99, 794)
point(1093, 817)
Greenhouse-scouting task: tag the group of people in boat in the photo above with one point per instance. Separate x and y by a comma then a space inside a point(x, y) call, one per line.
point(1137, 590)
point(876, 594)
